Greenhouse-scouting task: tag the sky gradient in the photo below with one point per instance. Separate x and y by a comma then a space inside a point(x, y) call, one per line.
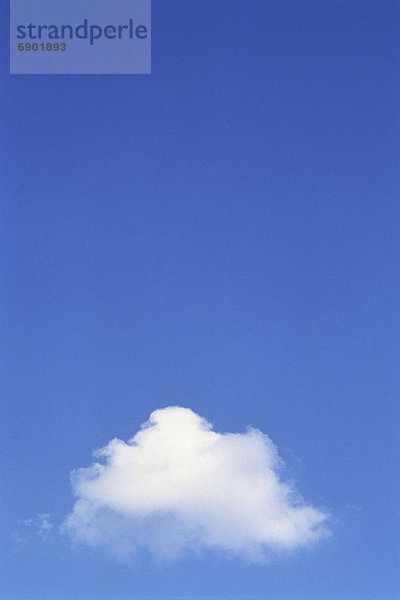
point(220, 235)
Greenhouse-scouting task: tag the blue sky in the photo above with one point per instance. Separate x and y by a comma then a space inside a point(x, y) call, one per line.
point(221, 235)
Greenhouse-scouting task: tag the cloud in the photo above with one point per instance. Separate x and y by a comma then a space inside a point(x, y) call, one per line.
point(177, 485)
point(41, 525)
point(29, 529)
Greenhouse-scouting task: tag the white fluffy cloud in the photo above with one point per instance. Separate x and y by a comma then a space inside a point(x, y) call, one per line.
point(177, 484)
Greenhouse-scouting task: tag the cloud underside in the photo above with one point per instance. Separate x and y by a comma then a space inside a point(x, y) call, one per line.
point(178, 485)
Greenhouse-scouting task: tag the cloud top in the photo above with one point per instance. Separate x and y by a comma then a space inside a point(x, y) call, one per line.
point(177, 484)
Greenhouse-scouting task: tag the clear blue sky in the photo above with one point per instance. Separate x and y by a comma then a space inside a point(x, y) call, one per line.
point(222, 235)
